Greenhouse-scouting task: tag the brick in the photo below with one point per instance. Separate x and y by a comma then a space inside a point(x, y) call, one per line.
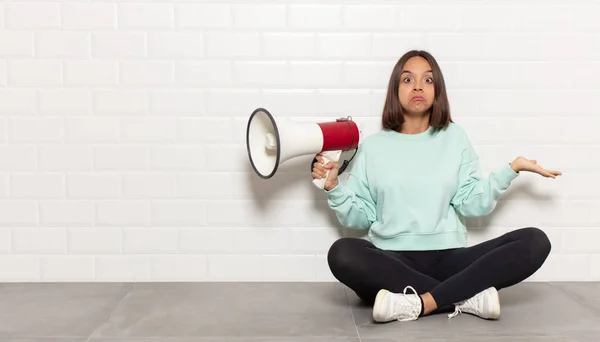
point(393, 45)
point(148, 130)
point(5, 241)
point(17, 101)
point(66, 158)
point(16, 44)
point(20, 268)
point(93, 186)
point(145, 186)
point(177, 102)
point(232, 44)
point(65, 102)
point(35, 15)
point(178, 213)
point(488, 17)
point(146, 15)
point(218, 102)
point(293, 45)
point(121, 158)
point(150, 240)
point(182, 158)
point(94, 240)
point(179, 268)
point(261, 240)
point(206, 185)
point(92, 130)
point(37, 185)
point(204, 73)
point(207, 240)
point(62, 44)
point(120, 102)
point(88, 16)
point(26, 240)
point(147, 73)
point(259, 16)
point(120, 44)
point(362, 74)
point(36, 73)
point(67, 268)
point(67, 213)
point(235, 268)
point(261, 74)
point(288, 267)
point(349, 46)
point(18, 158)
point(209, 130)
point(312, 74)
point(277, 102)
point(91, 73)
point(36, 130)
point(204, 15)
point(369, 17)
point(175, 44)
point(123, 213)
point(439, 18)
point(122, 268)
point(315, 17)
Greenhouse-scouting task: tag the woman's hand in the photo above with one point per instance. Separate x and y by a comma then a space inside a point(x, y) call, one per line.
point(524, 164)
point(320, 170)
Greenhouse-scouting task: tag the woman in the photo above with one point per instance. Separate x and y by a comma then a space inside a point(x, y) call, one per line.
point(412, 185)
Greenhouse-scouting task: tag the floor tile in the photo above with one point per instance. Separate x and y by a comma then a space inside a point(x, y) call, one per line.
point(528, 310)
point(586, 293)
point(56, 309)
point(232, 310)
point(573, 337)
point(45, 339)
point(230, 339)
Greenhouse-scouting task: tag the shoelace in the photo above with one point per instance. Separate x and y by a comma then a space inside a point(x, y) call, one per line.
point(414, 304)
point(473, 302)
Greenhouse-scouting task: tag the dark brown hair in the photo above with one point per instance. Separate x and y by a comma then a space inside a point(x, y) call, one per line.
point(393, 116)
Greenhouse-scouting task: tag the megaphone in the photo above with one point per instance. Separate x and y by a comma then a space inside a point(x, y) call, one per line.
point(271, 142)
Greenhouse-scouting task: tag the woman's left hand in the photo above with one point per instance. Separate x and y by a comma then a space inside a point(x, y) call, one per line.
point(524, 164)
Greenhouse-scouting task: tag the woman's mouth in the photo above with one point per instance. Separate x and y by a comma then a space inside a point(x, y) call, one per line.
point(418, 98)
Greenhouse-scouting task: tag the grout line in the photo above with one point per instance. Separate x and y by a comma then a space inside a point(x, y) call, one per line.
point(351, 313)
point(111, 312)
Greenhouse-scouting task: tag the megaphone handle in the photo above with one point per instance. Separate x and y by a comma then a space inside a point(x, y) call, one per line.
point(328, 156)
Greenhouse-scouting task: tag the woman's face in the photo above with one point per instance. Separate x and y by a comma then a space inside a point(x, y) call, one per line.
point(416, 91)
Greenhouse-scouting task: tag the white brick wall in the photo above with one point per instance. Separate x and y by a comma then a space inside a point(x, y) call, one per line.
point(122, 127)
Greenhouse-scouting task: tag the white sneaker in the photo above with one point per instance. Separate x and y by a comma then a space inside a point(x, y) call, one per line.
point(485, 304)
point(396, 306)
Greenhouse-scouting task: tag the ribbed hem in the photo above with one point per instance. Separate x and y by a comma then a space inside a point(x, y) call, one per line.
point(415, 242)
point(506, 175)
point(336, 194)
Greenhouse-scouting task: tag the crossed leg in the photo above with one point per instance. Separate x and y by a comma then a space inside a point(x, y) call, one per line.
point(500, 262)
point(458, 275)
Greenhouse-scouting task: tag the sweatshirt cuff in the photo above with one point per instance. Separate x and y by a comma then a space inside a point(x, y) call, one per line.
point(336, 193)
point(506, 175)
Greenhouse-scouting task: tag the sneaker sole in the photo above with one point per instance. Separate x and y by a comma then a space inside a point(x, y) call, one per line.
point(495, 300)
point(378, 304)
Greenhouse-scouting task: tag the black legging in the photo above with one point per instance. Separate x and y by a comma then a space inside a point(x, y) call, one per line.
point(450, 275)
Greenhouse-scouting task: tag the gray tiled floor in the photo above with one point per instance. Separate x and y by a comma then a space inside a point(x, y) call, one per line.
point(286, 312)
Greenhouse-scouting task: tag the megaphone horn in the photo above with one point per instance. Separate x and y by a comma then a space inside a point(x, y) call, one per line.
point(271, 142)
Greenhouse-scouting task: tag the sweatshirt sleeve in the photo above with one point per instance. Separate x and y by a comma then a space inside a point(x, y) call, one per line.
point(477, 195)
point(352, 202)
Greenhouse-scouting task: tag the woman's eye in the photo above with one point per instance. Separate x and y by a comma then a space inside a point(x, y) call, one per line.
point(406, 79)
point(429, 80)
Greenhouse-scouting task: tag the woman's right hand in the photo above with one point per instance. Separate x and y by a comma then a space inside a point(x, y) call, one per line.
point(319, 171)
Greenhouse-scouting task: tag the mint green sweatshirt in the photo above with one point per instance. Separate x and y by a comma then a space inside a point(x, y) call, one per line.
point(414, 191)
